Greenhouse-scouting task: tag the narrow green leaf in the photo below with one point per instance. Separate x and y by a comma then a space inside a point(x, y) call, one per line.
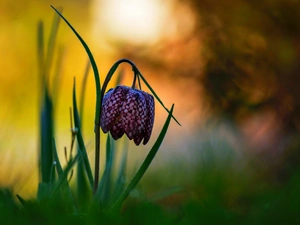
point(64, 175)
point(41, 52)
point(57, 161)
point(156, 96)
point(98, 103)
point(94, 66)
point(52, 174)
point(43, 191)
point(84, 194)
point(57, 78)
point(83, 90)
point(80, 141)
point(137, 177)
point(51, 47)
point(62, 183)
point(46, 136)
point(104, 191)
point(46, 114)
point(23, 202)
point(109, 76)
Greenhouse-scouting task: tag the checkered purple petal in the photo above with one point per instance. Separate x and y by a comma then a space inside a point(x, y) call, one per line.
point(111, 106)
point(129, 111)
point(150, 117)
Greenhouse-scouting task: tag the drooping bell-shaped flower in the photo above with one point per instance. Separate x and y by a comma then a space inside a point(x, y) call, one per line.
point(130, 111)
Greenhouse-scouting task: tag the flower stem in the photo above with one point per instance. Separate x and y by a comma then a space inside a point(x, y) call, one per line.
point(134, 81)
point(97, 157)
point(97, 124)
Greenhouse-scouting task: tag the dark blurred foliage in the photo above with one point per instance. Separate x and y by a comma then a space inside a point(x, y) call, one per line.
point(245, 56)
point(253, 56)
point(220, 200)
point(252, 70)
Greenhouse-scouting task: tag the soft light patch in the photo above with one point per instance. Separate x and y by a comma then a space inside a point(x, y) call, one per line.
point(133, 21)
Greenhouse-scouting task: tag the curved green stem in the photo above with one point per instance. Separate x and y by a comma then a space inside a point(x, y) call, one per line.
point(112, 71)
point(134, 81)
point(139, 75)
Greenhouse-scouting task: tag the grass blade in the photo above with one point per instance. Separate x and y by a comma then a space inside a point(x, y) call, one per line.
point(98, 100)
point(46, 114)
point(51, 47)
point(82, 183)
point(46, 137)
point(21, 200)
point(57, 79)
point(104, 191)
point(58, 166)
point(156, 96)
point(83, 90)
point(93, 63)
point(80, 141)
point(62, 180)
point(64, 175)
point(109, 76)
point(137, 177)
point(41, 52)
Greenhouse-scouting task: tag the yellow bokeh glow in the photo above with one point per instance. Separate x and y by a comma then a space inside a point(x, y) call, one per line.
point(133, 21)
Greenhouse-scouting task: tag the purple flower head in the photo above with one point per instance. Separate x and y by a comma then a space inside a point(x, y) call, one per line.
point(130, 111)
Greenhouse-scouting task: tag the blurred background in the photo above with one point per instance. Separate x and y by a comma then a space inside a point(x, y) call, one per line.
point(230, 67)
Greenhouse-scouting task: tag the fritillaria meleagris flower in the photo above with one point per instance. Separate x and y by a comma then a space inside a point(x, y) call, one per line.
point(130, 111)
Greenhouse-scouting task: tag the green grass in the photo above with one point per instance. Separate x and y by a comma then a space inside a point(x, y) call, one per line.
point(216, 196)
